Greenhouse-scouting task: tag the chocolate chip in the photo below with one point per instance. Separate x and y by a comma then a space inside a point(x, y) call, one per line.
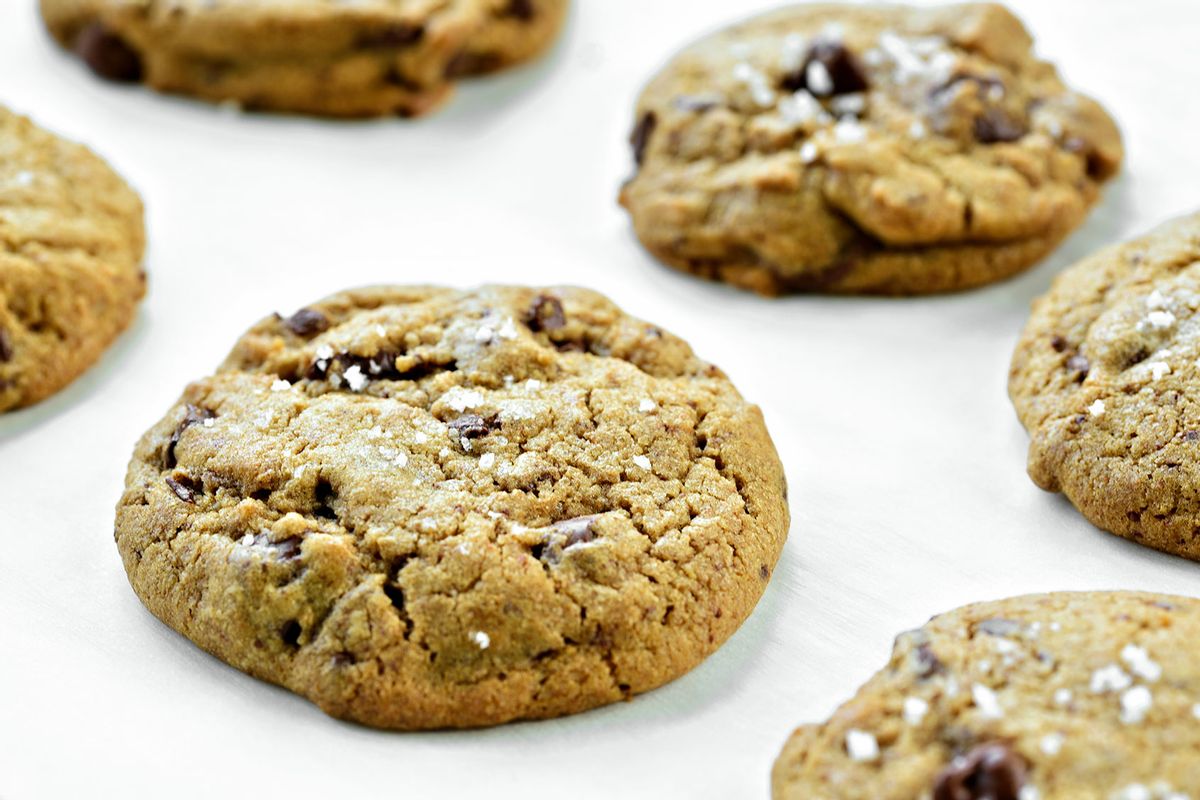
point(290, 633)
point(990, 771)
point(577, 531)
point(695, 103)
point(545, 314)
point(400, 34)
point(6, 346)
point(184, 487)
point(1059, 343)
point(108, 54)
point(194, 415)
point(764, 572)
point(288, 549)
point(307, 322)
point(523, 10)
point(925, 662)
point(999, 627)
point(1080, 366)
point(1191, 436)
point(996, 125)
point(843, 68)
point(473, 426)
point(640, 137)
point(470, 63)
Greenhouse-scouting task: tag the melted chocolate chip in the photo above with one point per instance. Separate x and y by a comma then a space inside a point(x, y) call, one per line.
point(6, 346)
point(108, 54)
point(996, 125)
point(545, 314)
point(194, 415)
point(523, 10)
point(400, 34)
point(184, 487)
point(990, 771)
point(307, 322)
point(473, 426)
point(844, 71)
point(640, 138)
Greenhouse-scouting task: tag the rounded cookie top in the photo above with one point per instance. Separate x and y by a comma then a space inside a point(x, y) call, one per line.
point(1089, 696)
point(71, 243)
point(311, 56)
point(864, 149)
point(428, 508)
point(1102, 378)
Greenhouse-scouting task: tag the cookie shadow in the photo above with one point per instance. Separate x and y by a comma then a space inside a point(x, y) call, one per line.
point(96, 380)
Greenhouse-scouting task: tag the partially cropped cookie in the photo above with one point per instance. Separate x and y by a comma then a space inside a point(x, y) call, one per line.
point(427, 508)
point(1089, 696)
point(864, 149)
point(1104, 377)
point(71, 243)
point(372, 58)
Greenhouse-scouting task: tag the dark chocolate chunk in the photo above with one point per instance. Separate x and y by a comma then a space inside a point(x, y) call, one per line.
point(307, 322)
point(473, 426)
point(400, 34)
point(991, 771)
point(996, 125)
point(523, 10)
point(925, 662)
point(185, 488)
point(640, 137)
point(845, 74)
point(6, 346)
point(545, 314)
point(194, 415)
point(108, 54)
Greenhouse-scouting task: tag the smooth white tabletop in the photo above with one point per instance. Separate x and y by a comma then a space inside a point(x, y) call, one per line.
point(906, 463)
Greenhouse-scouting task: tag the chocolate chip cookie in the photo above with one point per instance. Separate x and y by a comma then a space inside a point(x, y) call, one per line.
point(425, 508)
point(1090, 696)
point(371, 58)
point(1103, 379)
point(861, 149)
point(71, 243)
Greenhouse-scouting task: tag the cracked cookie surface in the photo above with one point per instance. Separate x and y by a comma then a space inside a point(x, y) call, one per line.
point(1072, 696)
point(322, 57)
point(864, 149)
point(427, 508)
point(1104, 377)
point(71, 243)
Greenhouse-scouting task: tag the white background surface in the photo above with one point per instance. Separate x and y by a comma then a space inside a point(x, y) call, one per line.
point(909, 494)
